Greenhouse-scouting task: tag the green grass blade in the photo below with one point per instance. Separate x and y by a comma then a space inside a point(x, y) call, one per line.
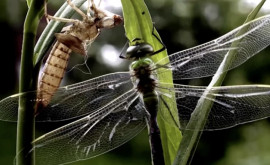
point(138, 24)
point(200, 114)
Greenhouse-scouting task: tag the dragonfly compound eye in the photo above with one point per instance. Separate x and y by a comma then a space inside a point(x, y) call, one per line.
point(146, 48)
point(140, 50)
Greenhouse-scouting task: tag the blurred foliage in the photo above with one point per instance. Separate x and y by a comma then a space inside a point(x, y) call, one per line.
point(181, 24)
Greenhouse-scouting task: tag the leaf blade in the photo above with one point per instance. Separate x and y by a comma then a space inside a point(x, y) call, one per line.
point(138, 24)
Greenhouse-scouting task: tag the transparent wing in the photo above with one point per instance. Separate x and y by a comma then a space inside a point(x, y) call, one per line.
point(74, 100)
point(204, 60)
point(232, 105)
point(101, 131)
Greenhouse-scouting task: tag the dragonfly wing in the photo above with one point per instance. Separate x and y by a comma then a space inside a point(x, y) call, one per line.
point(9, 107)
point(232, 105)
point(204, 60)
point(101, 131)
point(74, 100)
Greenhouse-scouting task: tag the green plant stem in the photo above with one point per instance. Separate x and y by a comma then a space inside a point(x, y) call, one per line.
point(25, 127)
point(30, 64)
point(200, 115)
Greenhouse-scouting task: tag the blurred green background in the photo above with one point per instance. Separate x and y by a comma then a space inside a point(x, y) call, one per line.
point(182, 24)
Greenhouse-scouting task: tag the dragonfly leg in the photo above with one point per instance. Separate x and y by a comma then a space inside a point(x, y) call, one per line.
point(165, 66)
point(98, 13)
point(93, 8)
point(50, 17)
point(123, 51)
point(88, 8)
point(77, 9)
point(89, 42)
point(46, 11)
point(163, 45)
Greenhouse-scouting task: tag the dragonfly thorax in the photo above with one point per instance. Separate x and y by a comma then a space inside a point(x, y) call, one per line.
point(85, 31)
point(143, 75)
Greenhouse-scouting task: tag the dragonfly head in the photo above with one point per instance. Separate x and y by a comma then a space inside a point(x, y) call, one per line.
point(109, 21)
point(138, 50)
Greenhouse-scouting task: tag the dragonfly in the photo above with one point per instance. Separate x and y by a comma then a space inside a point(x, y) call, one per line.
point(73, 38)
point(109, 110)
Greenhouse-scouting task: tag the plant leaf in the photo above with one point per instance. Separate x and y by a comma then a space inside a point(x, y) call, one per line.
point(138, 24)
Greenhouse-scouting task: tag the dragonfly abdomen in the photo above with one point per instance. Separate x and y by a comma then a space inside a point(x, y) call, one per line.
point(146, 86)
point(151, 104)
point(52, 73)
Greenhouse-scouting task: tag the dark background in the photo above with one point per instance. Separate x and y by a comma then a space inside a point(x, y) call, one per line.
point(182, 24)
